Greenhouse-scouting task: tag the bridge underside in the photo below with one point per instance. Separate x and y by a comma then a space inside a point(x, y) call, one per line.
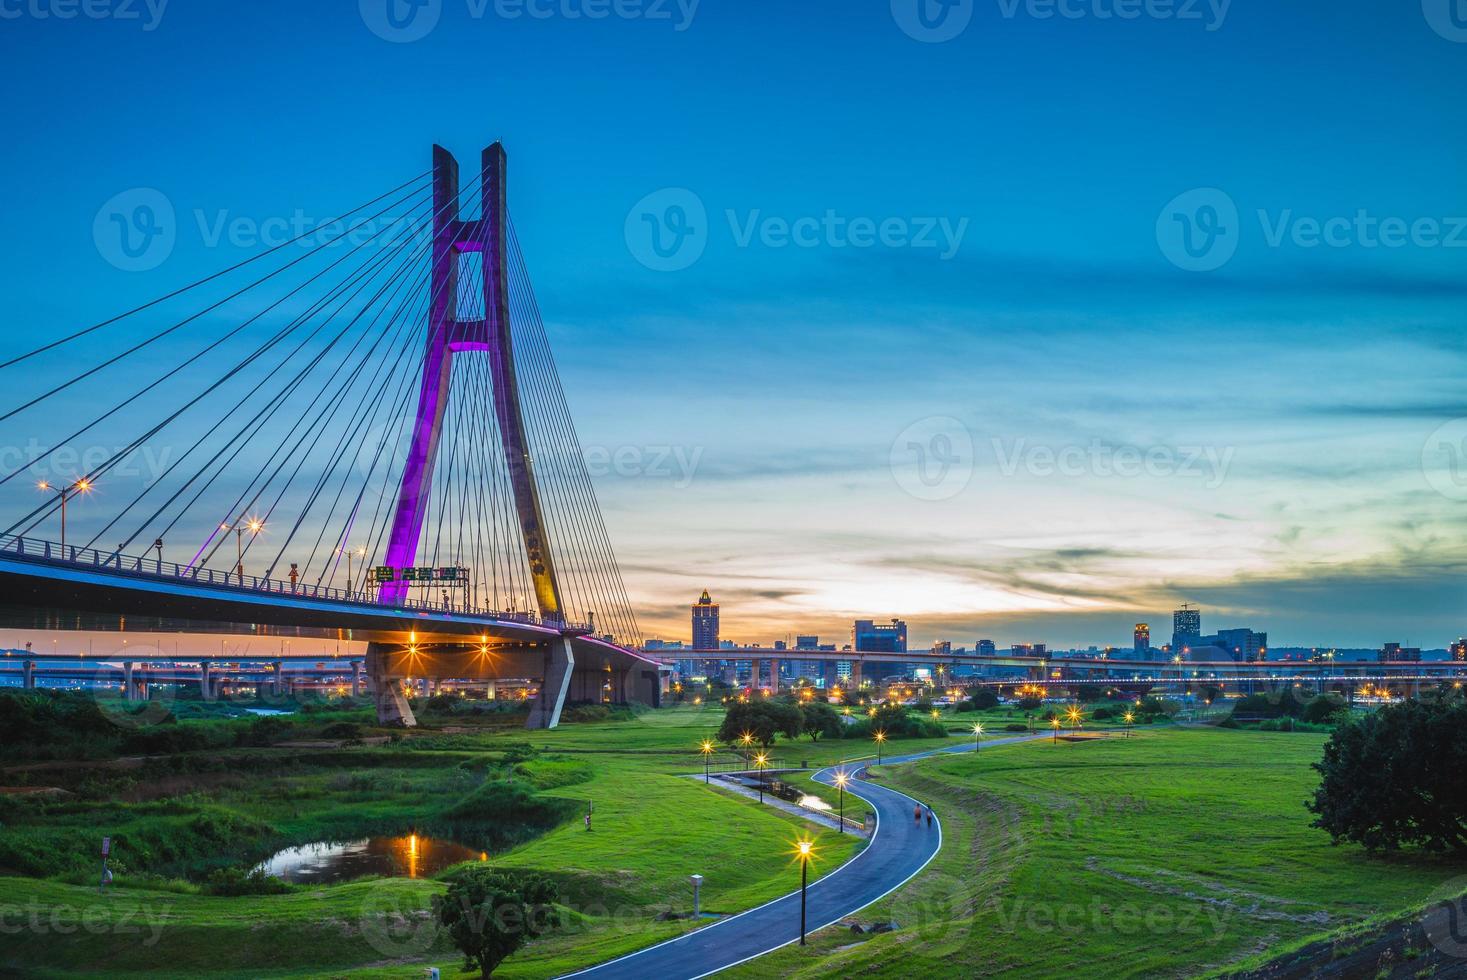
point(401, 643)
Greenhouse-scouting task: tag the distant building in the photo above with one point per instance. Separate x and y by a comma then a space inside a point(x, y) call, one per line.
point(1459, 650)
point(807, 643)
point(942, 648)
point(1186, 627)
point(1142, 637)
point(986, 648)
point(1241, 645)
point(705, 623)
point(1394, 653)
point(868, 636)
point(779, 644)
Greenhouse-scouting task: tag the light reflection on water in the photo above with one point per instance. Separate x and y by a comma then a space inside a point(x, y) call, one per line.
point(814, 803)
point(412, 856)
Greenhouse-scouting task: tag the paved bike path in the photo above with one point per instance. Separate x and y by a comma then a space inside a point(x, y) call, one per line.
point(899, 848)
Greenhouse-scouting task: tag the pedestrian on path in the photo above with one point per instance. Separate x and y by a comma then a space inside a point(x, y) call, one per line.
point(929, 818)
point(917, 815)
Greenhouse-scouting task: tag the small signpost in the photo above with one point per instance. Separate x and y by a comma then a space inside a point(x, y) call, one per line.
point(106, 874)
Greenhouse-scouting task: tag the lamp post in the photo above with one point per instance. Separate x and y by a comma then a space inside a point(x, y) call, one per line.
point(707, 750)
point(746, 740)
point(977, 736)
point(804, 854)
point(760, 761)
point(252, 524)
point(1055, 724)
point(840, 783)
point(351, 553)
point(880, 737)
point(66, 493)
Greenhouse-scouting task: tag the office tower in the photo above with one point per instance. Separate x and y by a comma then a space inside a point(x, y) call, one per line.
point(1186, 628)
point(705, 623)
point(1142, 640)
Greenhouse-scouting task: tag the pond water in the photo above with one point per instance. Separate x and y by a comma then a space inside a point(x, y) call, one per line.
point(413, 856)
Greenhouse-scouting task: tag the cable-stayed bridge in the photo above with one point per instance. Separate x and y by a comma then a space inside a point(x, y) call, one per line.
point(359, 434)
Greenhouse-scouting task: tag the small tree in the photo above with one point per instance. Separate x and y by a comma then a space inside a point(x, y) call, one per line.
point(1395, 778)
point(490, 914)
point(821, 719)
point(762, 719)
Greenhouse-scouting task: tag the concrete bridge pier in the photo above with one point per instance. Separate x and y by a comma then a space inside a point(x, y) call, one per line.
point(277, 678)
point(129, 682)
point(757, 668)
point(356, 678)
point(774, 676)
point(28, 675)
point(206, 680)
point(560, 663)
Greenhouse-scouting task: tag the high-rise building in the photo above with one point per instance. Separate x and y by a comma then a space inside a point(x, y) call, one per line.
point(1186, 627)
point(1393, 653)
point(705, 623)
point(986, 648)
point(942, 648)
point(868, 636)
point(807, 643)
point(1459, 650)
point(1142, 640)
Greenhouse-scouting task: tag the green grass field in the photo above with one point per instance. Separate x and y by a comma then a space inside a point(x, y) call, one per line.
point(1176, 852)
point(1180, 852)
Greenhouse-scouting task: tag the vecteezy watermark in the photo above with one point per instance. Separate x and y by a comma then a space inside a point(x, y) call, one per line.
point(675, 463)
point(1444, 920)
point(145, 921)
point(932, 459)
point(1447, 17)
point(63, 464)
point(1444, 459)
point(147, 13)
point(404, 21)
point(137, 230)
point(1207, 463)
point(668, 230)
point(932, 21)
point(1203, 921)
point(936, 21)
point(1200, 230)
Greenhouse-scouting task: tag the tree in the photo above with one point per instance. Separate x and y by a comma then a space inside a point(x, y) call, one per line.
point(981, 699)
point(490, 914)
point(1395, 778)
point(821, 719)
point(763, 720)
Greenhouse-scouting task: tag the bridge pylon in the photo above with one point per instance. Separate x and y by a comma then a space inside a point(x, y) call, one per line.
point(450, 336)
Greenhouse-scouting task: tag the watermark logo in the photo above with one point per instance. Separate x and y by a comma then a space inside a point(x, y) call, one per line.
point(1198, 231)
point(1444, 459)
point(1211, 13)
point(676, 464)
point(932, 21)
point(1447, 17)
point(932, 459)
point(401, 21)
point(1207, 463)
point(147, 12)
point(1444, 919)
point(398, 922)
point(667, 231)
point(138, 704)
point(136, 230)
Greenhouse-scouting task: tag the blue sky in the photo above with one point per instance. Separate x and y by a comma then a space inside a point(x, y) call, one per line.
point(1291, 400)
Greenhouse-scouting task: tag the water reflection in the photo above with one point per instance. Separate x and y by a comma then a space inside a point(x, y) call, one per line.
point(814, 803)
point(413, 856)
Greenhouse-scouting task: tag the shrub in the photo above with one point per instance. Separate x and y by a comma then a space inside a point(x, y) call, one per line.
point(234, 883)
point(490, 913)
point(1394, 778)
point(504, 811)
point(1016, 727)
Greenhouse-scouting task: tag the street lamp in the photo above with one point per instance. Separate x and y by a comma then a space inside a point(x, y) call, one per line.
point(1075, 716)
point(840, 783)
point(1055, 724)
point(252, 524)
point(805, 853)
point(746, 740)
point(1129, 717)
point(760, 761)
point(880, 737)
point(66, 493)
point(350, 571)
point(977, 736)
point(707, 750)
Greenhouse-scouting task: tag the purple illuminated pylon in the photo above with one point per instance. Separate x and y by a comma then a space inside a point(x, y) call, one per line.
point(448, 336)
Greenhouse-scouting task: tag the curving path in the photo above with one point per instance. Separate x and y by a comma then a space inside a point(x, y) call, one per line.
point(899, 848)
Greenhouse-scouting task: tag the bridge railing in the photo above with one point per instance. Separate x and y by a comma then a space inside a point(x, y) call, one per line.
point(155, 568)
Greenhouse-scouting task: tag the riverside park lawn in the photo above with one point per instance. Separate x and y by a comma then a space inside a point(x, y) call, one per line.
point(1178, 852)
point(1174, 852)
point(653, 827)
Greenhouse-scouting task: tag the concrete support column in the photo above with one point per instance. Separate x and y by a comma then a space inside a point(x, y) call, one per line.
point(560, 663)
point(277, 678)
point(206, 680)
point(356, 678)
point(392, 702)
point(757, 668)
point(855, 673)
point(492, 691)
point(129, 684)
point(29, 675)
